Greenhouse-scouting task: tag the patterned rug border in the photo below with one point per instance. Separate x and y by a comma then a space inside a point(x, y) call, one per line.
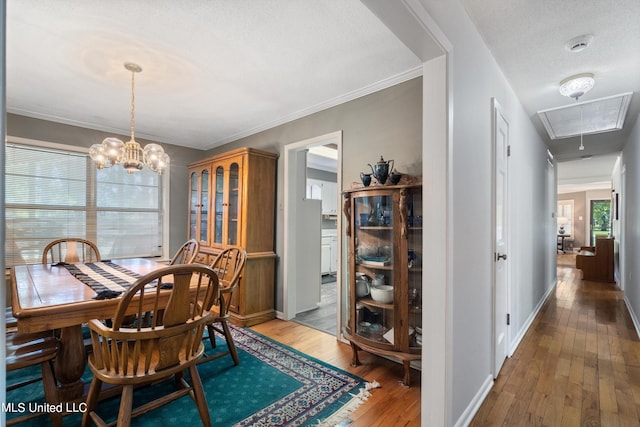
point(312, 401)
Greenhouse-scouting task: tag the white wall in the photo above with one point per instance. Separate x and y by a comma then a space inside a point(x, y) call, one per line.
point(631, 231)
point(476, 78)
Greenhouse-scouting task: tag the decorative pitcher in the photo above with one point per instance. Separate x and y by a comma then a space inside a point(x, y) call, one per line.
point(381, 170)
point(362, 286)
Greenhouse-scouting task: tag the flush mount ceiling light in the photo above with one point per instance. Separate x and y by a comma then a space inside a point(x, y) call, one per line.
point(129, 154)
point(576, 86)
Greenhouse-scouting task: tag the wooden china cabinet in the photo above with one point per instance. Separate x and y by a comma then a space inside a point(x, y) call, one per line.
point(232, 204)
point(384, 229)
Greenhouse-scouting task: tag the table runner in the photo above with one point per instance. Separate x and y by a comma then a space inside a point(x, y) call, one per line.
point(105, 278)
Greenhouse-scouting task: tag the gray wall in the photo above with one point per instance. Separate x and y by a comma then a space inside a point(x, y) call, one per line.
point(42, 130)
point(388, 123)
point(322, 175)
point(631, 231)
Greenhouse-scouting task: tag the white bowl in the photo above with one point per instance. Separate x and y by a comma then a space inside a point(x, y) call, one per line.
point(382, 293)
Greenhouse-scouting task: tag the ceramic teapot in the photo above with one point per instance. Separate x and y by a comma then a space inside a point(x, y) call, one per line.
point(362, 286)
point(381, 170)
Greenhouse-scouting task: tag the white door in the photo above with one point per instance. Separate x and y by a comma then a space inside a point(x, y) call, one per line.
point(500, 290)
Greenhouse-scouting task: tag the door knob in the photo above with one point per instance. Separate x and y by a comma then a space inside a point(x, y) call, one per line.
point(501, 256)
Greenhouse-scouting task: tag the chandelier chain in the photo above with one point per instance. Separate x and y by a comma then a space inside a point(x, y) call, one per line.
point(133, 107)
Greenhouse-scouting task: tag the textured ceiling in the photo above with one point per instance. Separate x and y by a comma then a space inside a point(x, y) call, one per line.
point(213, 71)
point(527, 39)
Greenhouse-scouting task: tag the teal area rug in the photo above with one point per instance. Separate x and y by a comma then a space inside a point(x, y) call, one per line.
point(274, 385)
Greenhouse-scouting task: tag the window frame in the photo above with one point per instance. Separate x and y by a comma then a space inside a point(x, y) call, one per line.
point(91, 190)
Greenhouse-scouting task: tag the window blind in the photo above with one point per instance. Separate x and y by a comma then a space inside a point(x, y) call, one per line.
point(53, 193)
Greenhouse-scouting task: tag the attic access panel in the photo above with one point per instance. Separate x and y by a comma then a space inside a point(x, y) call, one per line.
point(598, 116)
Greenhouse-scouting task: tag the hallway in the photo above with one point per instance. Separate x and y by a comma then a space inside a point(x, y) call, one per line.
point(578, 365)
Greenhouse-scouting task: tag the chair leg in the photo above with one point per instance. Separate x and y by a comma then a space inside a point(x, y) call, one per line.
point(198, 392)
point(230, 343)
point(126, 405)
point(92, 401)
point(50, 391)
point(212, 336)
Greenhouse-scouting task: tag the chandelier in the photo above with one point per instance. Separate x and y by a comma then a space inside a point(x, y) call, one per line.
point(130, 155)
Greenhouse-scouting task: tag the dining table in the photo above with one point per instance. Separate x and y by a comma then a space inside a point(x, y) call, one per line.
point(50, 297)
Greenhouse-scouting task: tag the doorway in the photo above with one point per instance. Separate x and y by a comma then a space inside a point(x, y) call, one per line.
point(312, 250)
point(600, 214)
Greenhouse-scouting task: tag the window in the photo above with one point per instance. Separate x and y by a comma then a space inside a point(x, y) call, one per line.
point(58, 192)
point(565, 217)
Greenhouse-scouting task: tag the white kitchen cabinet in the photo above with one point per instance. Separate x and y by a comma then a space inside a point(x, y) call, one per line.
point(329, 254)
point(327, 192)
point(325, 255)
point(329, 198)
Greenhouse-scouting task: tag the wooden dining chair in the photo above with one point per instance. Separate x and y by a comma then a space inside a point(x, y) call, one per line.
point(10, 322)
point(229, 266)
point(165, 346)
point(70, 250)
point(27, 350)
point(187, 253)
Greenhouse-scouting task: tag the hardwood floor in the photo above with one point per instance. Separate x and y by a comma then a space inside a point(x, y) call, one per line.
point(393, 404)
point(578, 365)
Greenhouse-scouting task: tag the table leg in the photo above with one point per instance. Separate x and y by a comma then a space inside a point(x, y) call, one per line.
point(70, 363)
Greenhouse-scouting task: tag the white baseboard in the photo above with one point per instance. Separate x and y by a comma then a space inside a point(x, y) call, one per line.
point(527, 324)
point(468, 414)
point(632, 313)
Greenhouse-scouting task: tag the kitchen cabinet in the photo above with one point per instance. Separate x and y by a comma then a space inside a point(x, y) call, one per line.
point(325, 256)
point(329, 254)
point(384, 229)
point(326, 191)
point(232, 204)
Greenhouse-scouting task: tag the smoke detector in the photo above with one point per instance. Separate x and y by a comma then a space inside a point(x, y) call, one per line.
point(578, 44)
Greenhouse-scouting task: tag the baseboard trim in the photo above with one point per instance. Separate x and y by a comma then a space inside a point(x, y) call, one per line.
point(468, 414)
point(632, 313)
point(527, 324)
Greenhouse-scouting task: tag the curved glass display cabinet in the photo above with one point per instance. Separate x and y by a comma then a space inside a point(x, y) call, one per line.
point(384, 229)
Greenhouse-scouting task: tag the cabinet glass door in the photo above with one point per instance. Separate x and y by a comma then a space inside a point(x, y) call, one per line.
point(199, 205)
point(234, 191)
point(194, 202)
point(204, 207)
point(414, 265)
point(374, 259)
point(218, 205)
